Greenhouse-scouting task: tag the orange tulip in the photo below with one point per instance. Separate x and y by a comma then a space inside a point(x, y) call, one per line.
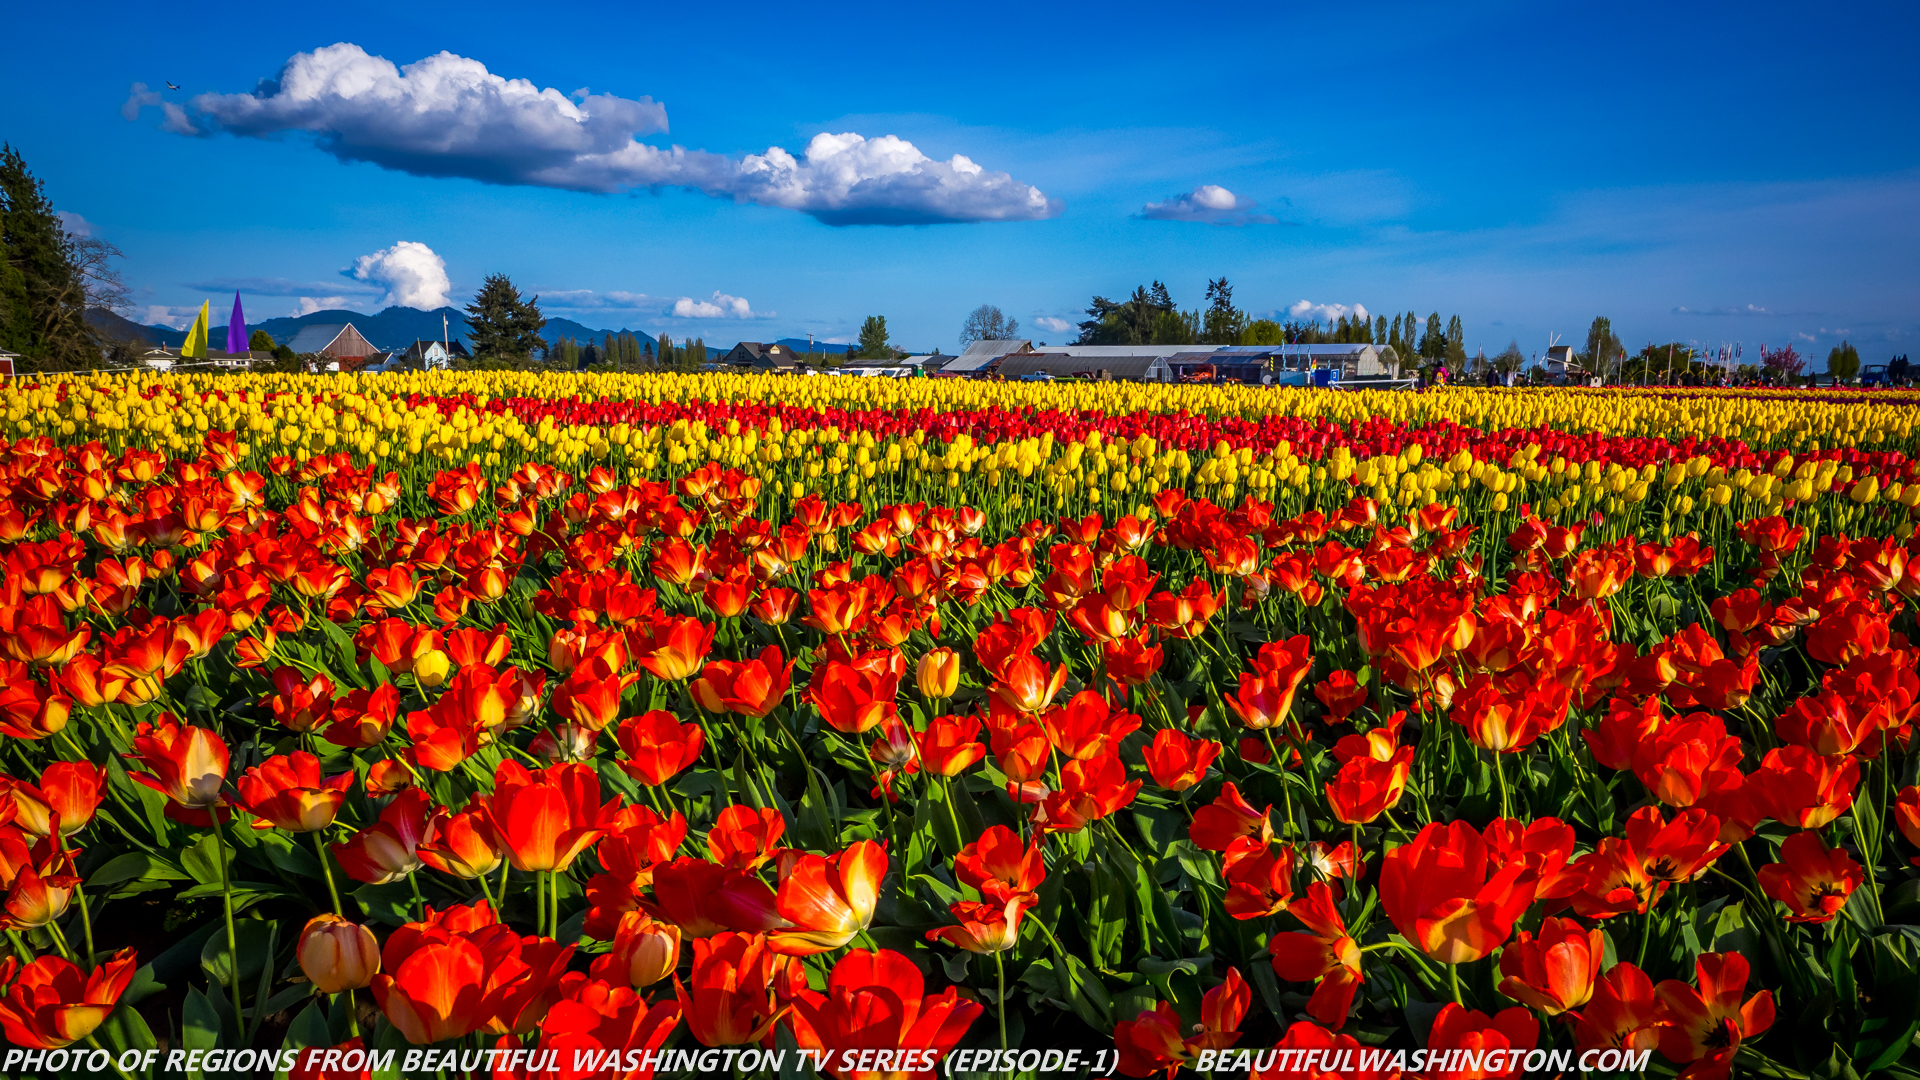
point(748, 688)
point(1324, 953)
point(1812, 879)
point(828, 899)
point(658, 746)
point(1178, 761)
point(337, 955)
point(1555, 971)
point(1444, 893)
point(462, 844)
point(53, 1003)
point(728, 999)
point(286, 792)
point(187, 764)
point(72, 790)
point(644, 952)
point(545, 820)
point(1365, 788)
point(387, 850)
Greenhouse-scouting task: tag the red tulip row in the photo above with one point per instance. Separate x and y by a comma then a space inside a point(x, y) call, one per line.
point(1602, 804)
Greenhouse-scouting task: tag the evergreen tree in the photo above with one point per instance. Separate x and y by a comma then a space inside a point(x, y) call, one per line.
point(697, 350)
point(1379, 330)
point(666, 351)
point(261, 340)
point(1224, 323)
point(1433, 343)
point(873, 339)
point(1843, 362)
point(42, 291)
point(502, 327)
point(1602, 347)
point(1456, 344)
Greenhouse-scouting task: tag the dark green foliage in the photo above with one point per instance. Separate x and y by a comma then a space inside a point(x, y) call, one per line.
point(43, 294)
point(503, 328)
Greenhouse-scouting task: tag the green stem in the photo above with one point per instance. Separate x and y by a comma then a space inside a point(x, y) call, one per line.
point(353, 1015)
point(1500, 774)
point(226, 897)
point(1453, 983)
point(1000, 968)
point(59, 940)
point(333, 890)
point(86, 919)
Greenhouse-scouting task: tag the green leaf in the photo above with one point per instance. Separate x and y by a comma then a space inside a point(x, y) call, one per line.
point(1156, 968)
point(202, 860)
point(391, 903)
point(342, 647)
point(309, 1028)
point(134, 866)
point(251, 937)
point(126, 1030)
point(201, 1027)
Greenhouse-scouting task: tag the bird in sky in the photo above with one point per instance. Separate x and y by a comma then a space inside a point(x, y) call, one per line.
point(171, 86)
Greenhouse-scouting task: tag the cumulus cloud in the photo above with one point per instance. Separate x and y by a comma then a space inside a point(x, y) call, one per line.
point(73, 223)
point(721, 306)
point(411, 273)
point(1209, 203)
point(448, 116)
point(1307, 309)
point(1051, 324)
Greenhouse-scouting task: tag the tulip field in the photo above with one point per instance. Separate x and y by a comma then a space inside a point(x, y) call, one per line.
point(628, 725)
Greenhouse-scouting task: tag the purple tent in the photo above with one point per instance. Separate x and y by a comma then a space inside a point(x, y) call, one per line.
point(237, 328)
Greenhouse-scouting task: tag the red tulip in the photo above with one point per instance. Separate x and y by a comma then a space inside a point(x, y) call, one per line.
point(186, 764)
point(1554, 972)
point(1177, 761)
point(286, 792)
point(1365, 788)
point(1000, 866)
point(1443, 892)
point(748, 688)
point(1226, 819)
point(361, 718)
point(432, 990)
point(463, 844)
point(1087, 727)
point(1341, 694)
point(1707, 1024)
point(704, 899)
point(644, 952)
point(728, 998)
point(949, 746)
point(658, 746)
point(743, 838)
point(1089, 791)
point(1324, 953)
point(1157, 1038)
point(545, 820)
point(39, 880)
point(854, 697)
point(984, 927)
point(53, 1003)
point(828, 899)
point(387, 849)
point(878, 1001)
point(1812, 879)
point(590, 695)
point(1623, 1013)
point(73, 790)
point(1484, 1038)
point(1259, 881)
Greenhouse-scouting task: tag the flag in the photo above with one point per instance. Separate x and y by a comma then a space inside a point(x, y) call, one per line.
point(196, 343)
point(237, 328)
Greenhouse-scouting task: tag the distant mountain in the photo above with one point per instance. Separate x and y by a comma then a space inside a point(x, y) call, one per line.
point(115, 328)
point(800, 345)
point(398, 327)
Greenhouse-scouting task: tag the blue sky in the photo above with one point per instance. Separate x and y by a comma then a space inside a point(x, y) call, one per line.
point(1706, 172)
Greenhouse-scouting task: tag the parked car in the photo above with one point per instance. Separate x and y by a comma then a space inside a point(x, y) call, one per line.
point(1036, 376)
point(1873, 375)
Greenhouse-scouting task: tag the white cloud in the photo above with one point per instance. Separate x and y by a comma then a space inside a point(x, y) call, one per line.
point(1743, 309)
point(73, 223)
point(1051, 324)
point(412, 274)
point(177, 318)
point(307, 305)
point(721, 306)
point(1307, 309)
point(1210, 203)
point(448, 115)
point(173, 116)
